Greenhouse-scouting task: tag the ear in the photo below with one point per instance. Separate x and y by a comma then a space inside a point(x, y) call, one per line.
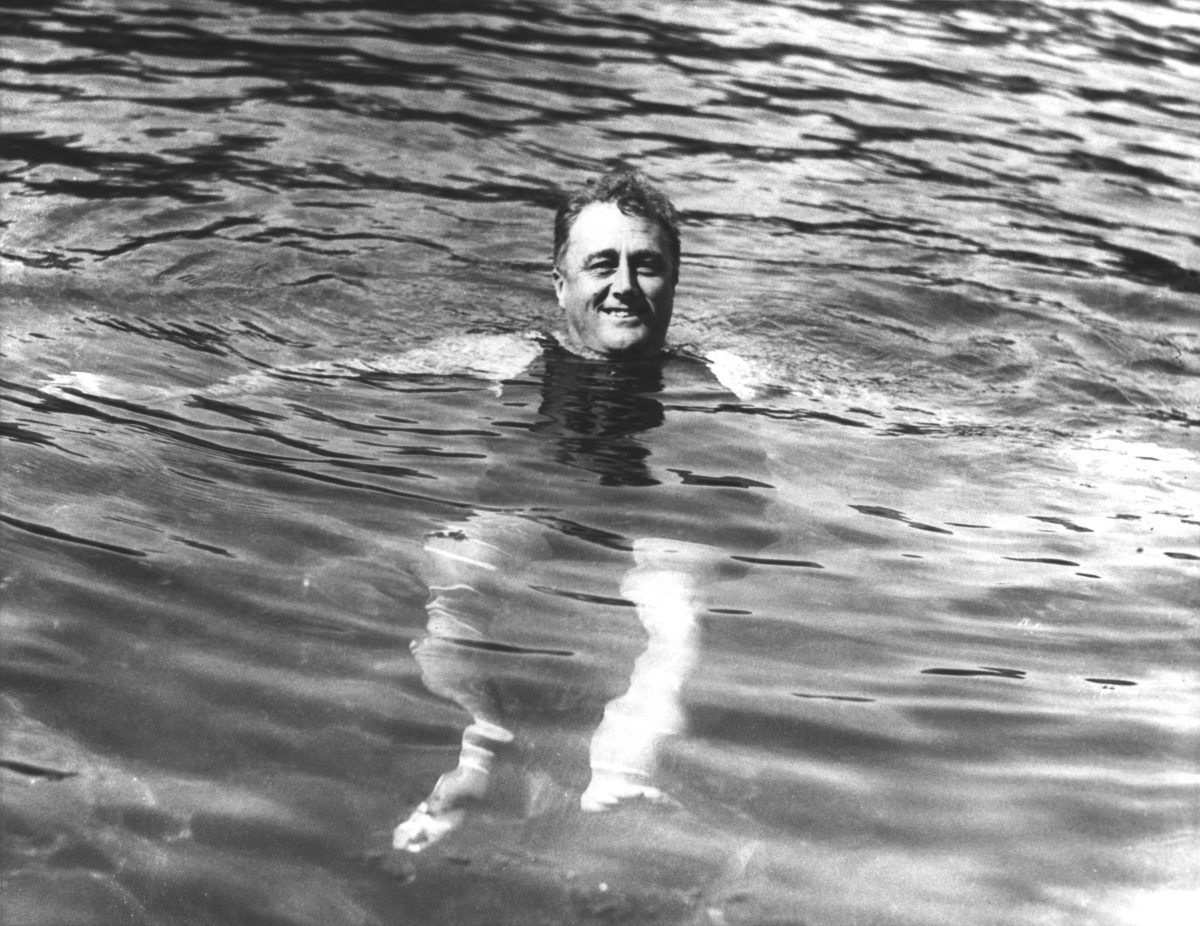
point(559, 283)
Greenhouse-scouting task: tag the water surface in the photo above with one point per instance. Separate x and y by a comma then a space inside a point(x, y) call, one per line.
point(955, 239)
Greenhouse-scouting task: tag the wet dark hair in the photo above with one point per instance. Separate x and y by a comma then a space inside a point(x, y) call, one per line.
point(633, 194)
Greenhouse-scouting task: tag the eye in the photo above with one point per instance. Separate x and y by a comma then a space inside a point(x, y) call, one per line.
point(601, 265)
point(650, 266)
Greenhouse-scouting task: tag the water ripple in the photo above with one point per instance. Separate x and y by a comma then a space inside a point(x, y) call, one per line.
point(956, 243)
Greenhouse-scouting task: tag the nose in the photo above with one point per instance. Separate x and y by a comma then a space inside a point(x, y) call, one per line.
point(624, 280)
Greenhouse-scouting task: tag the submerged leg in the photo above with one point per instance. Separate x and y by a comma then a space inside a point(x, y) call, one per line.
point(446, 808)
point(466, 571)
point(664, 587)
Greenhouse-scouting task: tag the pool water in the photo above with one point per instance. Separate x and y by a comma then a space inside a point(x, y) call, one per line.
point(257, 257)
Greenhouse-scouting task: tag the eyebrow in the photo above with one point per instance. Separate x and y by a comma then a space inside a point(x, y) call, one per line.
point(614, 254)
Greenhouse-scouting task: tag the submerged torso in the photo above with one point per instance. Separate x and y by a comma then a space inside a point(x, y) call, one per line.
point(622, 450)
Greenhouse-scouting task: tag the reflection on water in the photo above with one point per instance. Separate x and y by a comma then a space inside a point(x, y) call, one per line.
point(600, 414)
point(951, 671)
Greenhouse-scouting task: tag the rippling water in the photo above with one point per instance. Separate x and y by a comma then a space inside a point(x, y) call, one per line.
point(957, 239)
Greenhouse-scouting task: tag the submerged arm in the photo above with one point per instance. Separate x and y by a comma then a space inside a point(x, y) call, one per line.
point(490, 357)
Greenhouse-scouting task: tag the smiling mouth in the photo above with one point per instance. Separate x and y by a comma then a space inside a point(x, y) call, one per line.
point(619, 311)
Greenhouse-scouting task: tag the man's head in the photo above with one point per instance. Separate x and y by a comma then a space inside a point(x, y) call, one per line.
point(616, 263)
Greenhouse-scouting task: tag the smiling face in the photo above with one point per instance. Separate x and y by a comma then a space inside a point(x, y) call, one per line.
point(616, 284)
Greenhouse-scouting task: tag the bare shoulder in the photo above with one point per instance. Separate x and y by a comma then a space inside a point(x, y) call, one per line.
point(488, 356)
point(741, 376)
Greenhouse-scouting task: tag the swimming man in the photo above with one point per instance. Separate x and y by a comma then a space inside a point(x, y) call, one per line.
point(616, 266)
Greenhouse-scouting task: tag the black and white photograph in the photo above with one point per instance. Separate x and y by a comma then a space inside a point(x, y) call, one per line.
point(555, 462)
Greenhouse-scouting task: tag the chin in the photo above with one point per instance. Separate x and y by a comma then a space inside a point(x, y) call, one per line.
point(624, 337)
point(615, 341)
point(631, 347)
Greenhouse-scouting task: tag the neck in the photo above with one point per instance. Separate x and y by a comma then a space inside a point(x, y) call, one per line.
point(572, 344)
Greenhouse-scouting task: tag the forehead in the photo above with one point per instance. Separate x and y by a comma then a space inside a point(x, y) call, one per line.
point(603, 227)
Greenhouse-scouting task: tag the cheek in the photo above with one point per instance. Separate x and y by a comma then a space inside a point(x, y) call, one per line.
point(579, 301)
point(582, 289)
point(657, 290)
